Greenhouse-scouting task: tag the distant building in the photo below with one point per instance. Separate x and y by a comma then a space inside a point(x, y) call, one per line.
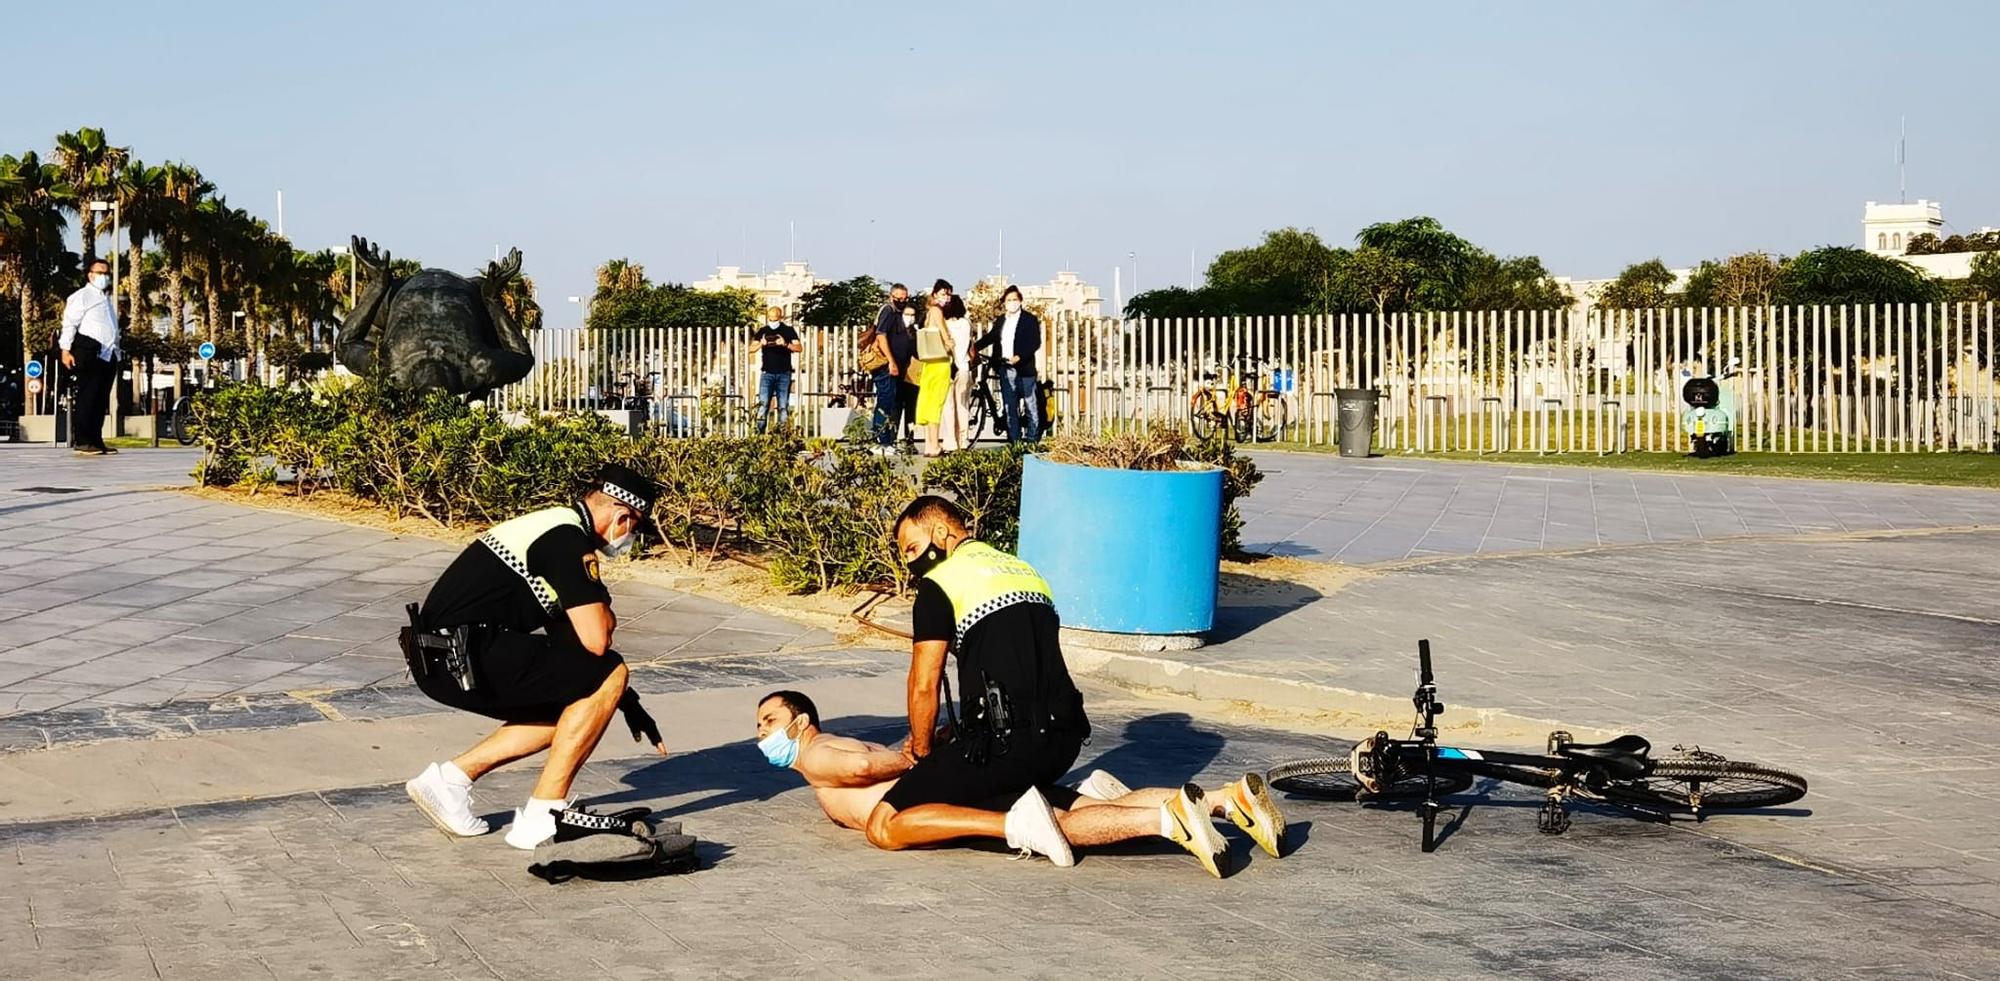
point(1888, 229)
point(1065, 294)
point(781, 289)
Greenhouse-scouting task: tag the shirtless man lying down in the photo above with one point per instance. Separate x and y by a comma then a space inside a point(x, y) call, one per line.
point(849, 777)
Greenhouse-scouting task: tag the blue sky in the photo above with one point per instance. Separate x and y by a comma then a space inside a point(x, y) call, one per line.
point(902, 138)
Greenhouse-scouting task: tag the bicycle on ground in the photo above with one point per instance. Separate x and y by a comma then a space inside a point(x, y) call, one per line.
point(1622, 773)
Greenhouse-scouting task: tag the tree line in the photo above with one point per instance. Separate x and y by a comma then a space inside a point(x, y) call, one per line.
point(1832, 275)
point(1398, 266)
point(191, 262)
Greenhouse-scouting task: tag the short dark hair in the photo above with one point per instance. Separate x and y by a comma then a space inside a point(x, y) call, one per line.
point(953, 308)
point(1013, 291)
point(796, 701)
point(893, 287)
point(942, 285)
point(930, 507)
point(96, 261)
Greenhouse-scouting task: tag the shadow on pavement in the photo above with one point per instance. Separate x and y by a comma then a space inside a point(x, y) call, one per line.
point(1249, 602)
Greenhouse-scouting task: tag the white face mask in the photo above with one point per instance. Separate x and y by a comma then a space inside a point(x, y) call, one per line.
point(909, 319)
point(1013, 306)
point(620, 545)
point(101, 281)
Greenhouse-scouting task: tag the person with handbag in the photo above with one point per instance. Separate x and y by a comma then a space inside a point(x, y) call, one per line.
point(936, 415)
point(875, 359)
point(90, 350)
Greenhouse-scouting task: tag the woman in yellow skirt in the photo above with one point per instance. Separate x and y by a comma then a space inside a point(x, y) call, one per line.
point(934, 383)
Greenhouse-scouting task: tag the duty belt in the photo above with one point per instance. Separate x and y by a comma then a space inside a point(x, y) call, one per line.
point(448, 650)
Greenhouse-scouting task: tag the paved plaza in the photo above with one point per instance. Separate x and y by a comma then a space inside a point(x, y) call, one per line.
point(238, 814)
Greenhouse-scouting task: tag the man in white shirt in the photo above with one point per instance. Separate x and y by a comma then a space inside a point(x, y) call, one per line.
point(90, 350)
point(1015, 338)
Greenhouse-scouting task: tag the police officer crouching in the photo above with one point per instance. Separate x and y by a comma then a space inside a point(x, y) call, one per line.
point(519, 629)
point(1018, 724)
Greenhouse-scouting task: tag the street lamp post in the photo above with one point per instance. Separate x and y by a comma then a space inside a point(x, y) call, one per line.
point(583, 303)
point(233, 315)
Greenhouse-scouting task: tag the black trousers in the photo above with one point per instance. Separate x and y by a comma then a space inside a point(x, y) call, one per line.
point(94, 378)
point(906, 403)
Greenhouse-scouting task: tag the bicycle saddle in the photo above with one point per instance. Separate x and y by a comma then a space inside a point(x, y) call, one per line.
point(1624, 756)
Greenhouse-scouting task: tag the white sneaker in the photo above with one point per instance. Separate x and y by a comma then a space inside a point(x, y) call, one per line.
point(1102, 786)
point(448, 806)
point(1032, 828)
point(534, 823)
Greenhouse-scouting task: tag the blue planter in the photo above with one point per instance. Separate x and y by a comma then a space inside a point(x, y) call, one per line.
point(1125, 551)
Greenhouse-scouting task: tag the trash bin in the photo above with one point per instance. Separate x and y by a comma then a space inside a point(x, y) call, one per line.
point(1357, 420)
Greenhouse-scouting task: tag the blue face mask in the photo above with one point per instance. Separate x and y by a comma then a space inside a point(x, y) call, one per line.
point(782, 750)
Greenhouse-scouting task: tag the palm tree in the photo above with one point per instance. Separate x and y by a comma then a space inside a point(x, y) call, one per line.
point(90, 166)
point(141, 193)
point(33, 197)
point(183, 187)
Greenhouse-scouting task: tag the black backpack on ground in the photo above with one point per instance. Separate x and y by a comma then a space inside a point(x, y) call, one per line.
point(614, 847)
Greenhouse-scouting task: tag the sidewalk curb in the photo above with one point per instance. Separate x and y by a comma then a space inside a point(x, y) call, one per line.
point(1330, 706)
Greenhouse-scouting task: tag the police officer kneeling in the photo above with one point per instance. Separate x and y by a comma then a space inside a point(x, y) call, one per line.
point(1021, 724)
point(519, 629)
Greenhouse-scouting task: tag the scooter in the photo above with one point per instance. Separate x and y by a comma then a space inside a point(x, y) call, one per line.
point(1710, 420)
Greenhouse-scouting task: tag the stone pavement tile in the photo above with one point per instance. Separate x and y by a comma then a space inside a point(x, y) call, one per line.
point(299, 650)
point(237, 670)
point(253, 593)
point(250, 627)
point(129, 630)
point(162, 690)
point(260, 562)
point(340, 672)
point(351, 628)
point(36, 695)
point(59, 651)
point(146, 595)
point(193, 612)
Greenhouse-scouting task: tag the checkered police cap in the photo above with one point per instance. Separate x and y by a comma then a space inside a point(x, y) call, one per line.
point(628, 487)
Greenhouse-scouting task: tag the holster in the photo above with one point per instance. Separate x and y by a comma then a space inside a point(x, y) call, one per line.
point(448, 651)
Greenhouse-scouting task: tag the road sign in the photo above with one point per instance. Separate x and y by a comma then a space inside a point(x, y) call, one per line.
point(207, 350)
point(34, 386)
point(34, 369)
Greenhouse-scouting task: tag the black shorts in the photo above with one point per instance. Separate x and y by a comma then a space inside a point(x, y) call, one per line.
point(523, 678)
point(944, 777)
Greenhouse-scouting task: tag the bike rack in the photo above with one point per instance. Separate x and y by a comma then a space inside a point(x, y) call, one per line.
point(1603, 437)
point(1331, 416)
point(1501, 428)
point(1426, 428)
point(1545, 422)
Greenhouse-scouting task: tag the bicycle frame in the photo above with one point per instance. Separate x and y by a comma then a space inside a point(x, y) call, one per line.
point(1383, 760)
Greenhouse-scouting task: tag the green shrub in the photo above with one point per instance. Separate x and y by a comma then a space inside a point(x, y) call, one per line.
point(988, 486)
point(819, 510)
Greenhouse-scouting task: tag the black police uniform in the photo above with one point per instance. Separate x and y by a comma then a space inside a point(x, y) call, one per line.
point(1009, 640)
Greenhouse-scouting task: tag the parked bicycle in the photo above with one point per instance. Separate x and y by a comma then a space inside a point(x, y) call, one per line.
point(1237, 400)
point(1622, 772)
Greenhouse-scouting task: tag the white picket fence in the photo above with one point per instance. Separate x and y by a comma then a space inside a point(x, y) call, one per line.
point(1900, 378)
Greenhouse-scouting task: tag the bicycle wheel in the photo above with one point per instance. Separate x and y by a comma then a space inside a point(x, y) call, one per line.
point(1696, 783)
point(1329, 779)
point(982, 413)
point(1245, 421)
point(178, 424)
point(1201, 418)
point(1271, 418)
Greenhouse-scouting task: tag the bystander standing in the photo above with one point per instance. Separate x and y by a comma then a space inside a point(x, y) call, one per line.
point(776, 342)
point(90, 350)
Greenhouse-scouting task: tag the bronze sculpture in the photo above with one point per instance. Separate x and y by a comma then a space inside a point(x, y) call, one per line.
point(436, 330)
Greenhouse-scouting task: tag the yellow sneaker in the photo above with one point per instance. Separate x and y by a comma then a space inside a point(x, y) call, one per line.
point(1249, 806)
point(1187, 823)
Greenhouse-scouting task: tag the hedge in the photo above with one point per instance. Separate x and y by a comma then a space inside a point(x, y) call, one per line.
point(818, 510)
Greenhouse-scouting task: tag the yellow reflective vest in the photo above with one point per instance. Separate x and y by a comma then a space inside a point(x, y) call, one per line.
point(510, 541)
point(979, 579)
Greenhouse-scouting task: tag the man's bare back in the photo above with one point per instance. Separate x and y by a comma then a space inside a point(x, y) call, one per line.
point(820, 763)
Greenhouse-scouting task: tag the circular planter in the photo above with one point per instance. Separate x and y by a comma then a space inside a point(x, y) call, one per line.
point(1128, 552)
